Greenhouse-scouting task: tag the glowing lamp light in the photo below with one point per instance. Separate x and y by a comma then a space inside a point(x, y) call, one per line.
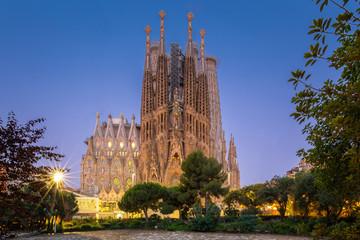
point(109, 144)
point(121, 144)
point(133, 144)
point(58, 176)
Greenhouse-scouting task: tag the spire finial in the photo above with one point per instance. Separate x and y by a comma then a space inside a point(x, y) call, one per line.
point(109, 115)
point(162, 35)
point(133, 117)
point(202, 51)
point(121, 116)
point(147, 54)
point(190, 16)
point(189, 45)
point(97, 115)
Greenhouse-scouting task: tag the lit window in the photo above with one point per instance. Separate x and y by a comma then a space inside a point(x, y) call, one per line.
point(133, 144)
point(89, 163)
point(121, 144)
point(115, 163)
point(109, 144)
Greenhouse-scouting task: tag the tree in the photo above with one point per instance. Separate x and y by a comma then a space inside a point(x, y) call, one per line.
point(66, 205)
point(202, 177)
point(248, 196)
point(21, 180)
point(174, 199)
point(331, 112)
point(305, 192)
point(278, 191)
point(142, 197)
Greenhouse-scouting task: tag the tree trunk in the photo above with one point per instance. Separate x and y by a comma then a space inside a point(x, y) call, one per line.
point(146, 215)
point(180, 217)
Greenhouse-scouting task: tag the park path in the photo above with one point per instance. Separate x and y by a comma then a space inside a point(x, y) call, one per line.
point(161, 235)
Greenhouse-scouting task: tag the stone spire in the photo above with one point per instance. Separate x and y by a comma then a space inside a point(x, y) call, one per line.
point(147, 65)
point(202, 52)
point(98, 129)
point(189, 44)
point(162, 49)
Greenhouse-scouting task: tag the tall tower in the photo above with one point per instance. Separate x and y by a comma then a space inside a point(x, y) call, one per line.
point(233, 166)
point(215, 110)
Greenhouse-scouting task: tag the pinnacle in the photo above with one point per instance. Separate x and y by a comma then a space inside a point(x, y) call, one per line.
point(190, 16)
point(162, 14)
point(202, 33)
point(147, 29)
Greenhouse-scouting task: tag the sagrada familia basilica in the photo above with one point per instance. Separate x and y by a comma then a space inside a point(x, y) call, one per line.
point(180, 113)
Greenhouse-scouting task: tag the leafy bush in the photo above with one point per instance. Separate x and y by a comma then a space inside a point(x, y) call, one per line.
point(155, 217)
point(174, 227)
point(68, 225)
point(119, 225)
point(136, 223)
point(150, 224)
point(86, 227)
point(320, 230)
point(203, 224)
point(163, 224)
point(59, 228)
point(287, 227)
point(304, 228)
point(250, 211)
point(344, 230)
point(243, 224)
point(231, 215)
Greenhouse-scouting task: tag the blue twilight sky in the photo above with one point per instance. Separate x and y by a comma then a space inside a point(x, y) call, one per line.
point(67, 60)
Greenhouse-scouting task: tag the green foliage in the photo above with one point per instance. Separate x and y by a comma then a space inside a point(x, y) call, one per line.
point(282, 227)
point(203, 224)
point(141, 197)
point(320, 230)
point(66, 205)
point(23, 203)
point(305, 192)
point(202, 177)
point(278, 191)
point(331, 113)
point(164, 223)
point(251, 211)
point(231, 214)
point(343, 230)
point(249, 196)
point(136, 223)
point(178, 228)
point(175, 198)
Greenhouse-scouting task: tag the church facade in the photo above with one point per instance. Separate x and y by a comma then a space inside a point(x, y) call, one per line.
point(180, 113)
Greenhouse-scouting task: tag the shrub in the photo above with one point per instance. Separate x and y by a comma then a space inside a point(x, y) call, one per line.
point(59, 228)
point(119, 225)
point(231, 215)
point(149, 225)
point(203, 224)
point(287, 227)
point(163, 224)
point(86, 227)
point(243, 224)
point(68, 225)
point(304, 228)
point(136, 223)
point(250, 211)
point(174, 227)
point(320, 230)
point(338, 231)
point(155, 217)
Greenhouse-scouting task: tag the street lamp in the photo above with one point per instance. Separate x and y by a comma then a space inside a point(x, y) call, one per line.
point(58, 178)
